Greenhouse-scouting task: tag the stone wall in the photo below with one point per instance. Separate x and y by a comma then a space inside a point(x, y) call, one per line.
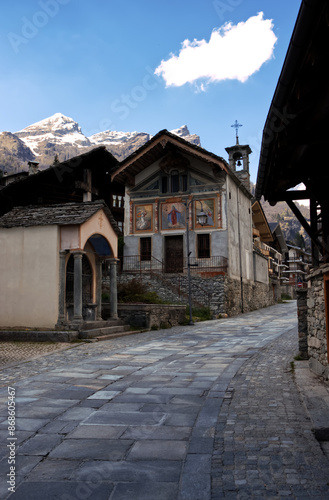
point(254, 296)
point(220, 293)
point(152, 315)
point(316, 323)
point(302, 322)
point(206, 291)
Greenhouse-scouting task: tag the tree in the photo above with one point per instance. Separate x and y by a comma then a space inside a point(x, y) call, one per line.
point(56, 160)
point(299, 241)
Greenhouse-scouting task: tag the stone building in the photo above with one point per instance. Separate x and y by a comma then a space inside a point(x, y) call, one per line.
point(169, 183)
point(56, 231)
point(51, 263)
point(295, 138)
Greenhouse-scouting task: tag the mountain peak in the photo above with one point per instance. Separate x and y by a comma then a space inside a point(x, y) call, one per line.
point(53, 122)
point(181, 131)
point(53, 132)
point(184, 132)
point(62, 136)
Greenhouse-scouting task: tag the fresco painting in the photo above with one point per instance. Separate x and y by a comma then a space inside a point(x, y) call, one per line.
point(208, 206)
point(173, 215)
point(143, 218)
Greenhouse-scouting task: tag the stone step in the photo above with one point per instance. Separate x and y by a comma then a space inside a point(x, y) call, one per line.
point(101, 332)
point(90, 325)
point(116, 335)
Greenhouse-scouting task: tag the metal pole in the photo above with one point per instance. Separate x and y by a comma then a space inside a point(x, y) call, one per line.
point(188, 263)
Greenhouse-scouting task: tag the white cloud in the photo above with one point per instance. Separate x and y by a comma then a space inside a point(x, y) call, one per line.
point(233, 52)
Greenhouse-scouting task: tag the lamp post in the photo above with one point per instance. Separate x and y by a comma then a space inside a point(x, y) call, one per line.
point(202, 219)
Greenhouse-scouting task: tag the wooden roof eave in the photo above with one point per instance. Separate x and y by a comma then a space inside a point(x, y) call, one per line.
point(129, 166)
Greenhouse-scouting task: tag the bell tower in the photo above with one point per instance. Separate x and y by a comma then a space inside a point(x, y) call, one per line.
point(238, 158)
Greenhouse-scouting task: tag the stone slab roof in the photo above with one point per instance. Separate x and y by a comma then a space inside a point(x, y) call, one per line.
point(61, 215)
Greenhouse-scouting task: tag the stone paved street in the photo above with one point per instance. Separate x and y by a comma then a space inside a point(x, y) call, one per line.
point(205, 412)
point(13, 352)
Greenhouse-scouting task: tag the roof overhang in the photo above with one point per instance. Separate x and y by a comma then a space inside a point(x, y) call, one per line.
point(260, 222)
point(295, 136)
point(161, 144)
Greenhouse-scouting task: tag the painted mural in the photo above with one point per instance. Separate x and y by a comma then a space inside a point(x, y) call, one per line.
point(208, 206)
point(173, 215)
point(143, 218)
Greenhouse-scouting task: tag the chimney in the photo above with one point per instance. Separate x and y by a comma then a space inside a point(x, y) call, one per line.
point(33, 167)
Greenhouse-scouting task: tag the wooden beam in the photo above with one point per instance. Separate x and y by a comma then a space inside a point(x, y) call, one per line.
point(305, 225)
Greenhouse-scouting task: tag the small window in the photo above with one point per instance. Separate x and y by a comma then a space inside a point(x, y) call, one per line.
point(146, 248)
point(164, 184)
point(184, 182)
point(174, 181)
point(204, 246)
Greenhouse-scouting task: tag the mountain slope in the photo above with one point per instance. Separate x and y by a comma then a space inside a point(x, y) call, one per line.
point(61, 136)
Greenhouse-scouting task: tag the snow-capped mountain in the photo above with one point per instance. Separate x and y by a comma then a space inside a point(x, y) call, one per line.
point(58, 129)
point(110, 137)
point(61, 136)
point(185, 134)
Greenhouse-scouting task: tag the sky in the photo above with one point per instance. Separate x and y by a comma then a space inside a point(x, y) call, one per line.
point(145, 65)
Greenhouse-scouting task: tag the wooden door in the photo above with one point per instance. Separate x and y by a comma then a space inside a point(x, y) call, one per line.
point(174, 254)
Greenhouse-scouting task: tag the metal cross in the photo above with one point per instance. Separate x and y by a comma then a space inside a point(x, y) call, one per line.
point(236, 125)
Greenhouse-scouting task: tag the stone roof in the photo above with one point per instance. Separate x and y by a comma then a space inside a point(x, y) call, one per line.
point(61, 215)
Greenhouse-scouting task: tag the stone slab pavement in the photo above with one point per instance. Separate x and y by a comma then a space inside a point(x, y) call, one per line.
point(204, 412)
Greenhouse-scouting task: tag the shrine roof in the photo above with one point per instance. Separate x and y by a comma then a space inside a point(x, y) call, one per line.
point(61, 215)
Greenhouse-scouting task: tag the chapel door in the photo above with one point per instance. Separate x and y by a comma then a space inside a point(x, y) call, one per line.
point(174, 254)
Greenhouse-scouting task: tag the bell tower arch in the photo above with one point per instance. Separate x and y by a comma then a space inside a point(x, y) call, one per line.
point(238, 158)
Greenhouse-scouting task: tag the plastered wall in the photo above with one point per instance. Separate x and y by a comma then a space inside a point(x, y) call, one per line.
point(29, 273)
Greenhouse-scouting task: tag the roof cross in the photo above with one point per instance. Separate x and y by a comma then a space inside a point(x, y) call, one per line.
point(236, 125)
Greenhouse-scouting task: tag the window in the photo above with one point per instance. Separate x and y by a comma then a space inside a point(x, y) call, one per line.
point(164, 184)
point(204, 246)
point(146, 248)
point(174, 183)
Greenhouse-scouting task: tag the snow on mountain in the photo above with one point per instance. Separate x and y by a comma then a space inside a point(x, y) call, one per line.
point(109, 137)
point(61, 137)
point(60, 129)
point(57, 129)
point(184, 133)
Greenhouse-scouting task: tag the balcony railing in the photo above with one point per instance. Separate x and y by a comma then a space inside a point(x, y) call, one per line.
point(139, 264)
point(216, 264)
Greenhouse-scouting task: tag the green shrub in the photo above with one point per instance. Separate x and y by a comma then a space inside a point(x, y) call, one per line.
point(105, 297)
point(199, 313)
point(136, 291)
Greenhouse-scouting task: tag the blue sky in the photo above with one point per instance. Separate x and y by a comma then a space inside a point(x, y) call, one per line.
point(95, 61)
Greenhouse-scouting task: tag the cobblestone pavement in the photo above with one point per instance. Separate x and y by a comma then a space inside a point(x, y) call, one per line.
point(192, 413)
point(12, 353)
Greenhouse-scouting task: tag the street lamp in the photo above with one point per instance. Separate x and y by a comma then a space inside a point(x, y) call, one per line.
point(202, 218)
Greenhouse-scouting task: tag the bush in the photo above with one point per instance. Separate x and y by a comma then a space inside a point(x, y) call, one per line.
point(136, 291)
point(105, 297)
point(199, 313)
point(285, 296)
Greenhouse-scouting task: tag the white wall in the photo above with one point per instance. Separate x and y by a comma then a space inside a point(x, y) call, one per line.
point(261, 268)
point(239, 225)
point(29, 276)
